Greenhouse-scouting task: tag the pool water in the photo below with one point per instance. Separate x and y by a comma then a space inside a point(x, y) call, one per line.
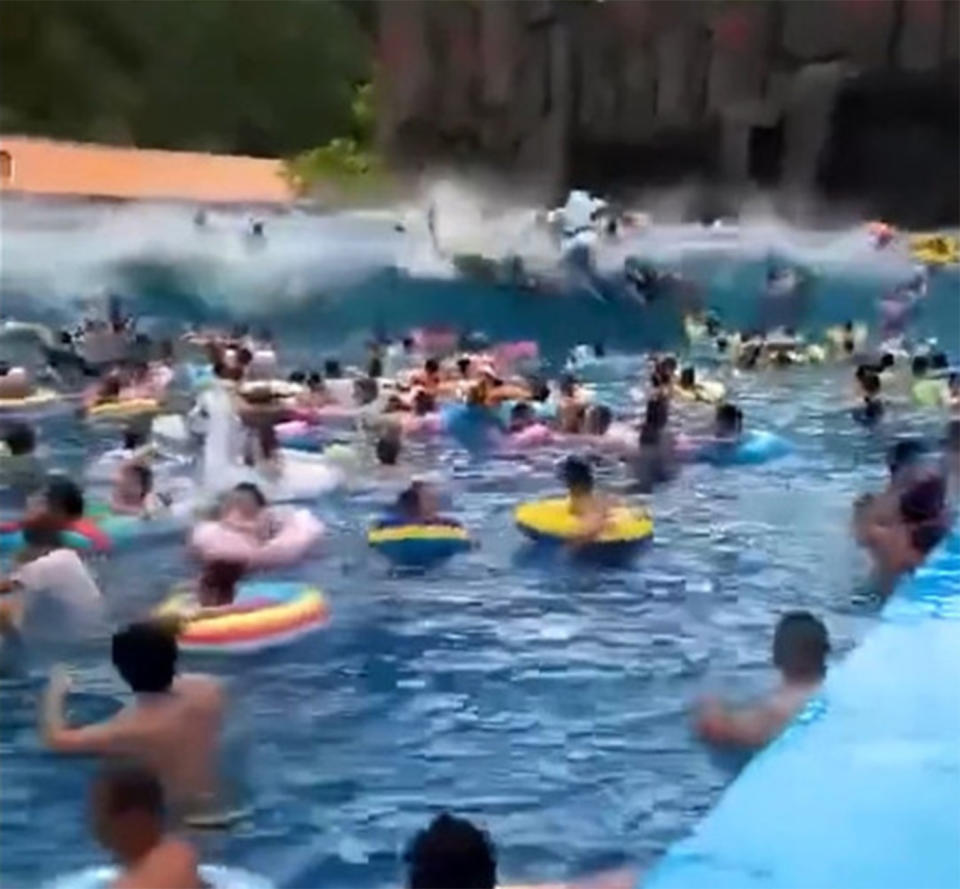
point(548, 699)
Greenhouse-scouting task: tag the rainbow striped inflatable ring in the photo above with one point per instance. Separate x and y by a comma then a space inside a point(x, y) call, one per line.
point(263, 615)
point(419, 546)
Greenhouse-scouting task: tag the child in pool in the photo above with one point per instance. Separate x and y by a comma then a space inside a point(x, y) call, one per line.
point(591, 508)
point(800, 648)
point(129, 820)
point(728, 424)
point(871, 409)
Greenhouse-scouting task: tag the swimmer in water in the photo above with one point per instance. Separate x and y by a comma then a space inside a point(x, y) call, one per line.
point(655, 461)
point(451, 852)
point(800, 649)
point(592, 509)
point(245, 511)
point(128, 811)
point(871, 410)
point(173, 726)
point(21, 470)
point(133, 491)
point(60, 504)
point(728, 424)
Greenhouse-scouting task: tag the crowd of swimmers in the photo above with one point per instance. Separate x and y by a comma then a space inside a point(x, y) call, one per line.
point(162, 748)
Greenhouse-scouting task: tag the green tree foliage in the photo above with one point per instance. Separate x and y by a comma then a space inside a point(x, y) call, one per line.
point(261, 77)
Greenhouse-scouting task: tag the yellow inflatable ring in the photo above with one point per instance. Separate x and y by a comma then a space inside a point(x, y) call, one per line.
point(129, 407)
point(707, 391)
point(264, 614)
point(552, 520)
point(40, 398)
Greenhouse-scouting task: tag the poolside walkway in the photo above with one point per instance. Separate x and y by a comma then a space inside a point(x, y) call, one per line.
point(47, 167)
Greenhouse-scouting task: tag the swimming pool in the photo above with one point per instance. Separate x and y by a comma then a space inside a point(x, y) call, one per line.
point(548, 700)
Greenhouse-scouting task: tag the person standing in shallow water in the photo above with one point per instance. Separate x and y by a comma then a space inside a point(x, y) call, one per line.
point(800, 649)
point(128, 811)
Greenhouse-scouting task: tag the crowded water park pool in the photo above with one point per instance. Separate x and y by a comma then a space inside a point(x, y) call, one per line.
point(473, 658)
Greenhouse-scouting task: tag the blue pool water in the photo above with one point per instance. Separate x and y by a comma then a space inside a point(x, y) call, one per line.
point(547, 699)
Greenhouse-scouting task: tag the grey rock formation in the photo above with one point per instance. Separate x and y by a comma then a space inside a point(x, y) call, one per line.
point(634, 93)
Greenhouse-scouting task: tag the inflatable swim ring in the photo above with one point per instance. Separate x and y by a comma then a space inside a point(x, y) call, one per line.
point(706, 391)
point(299, 530)
point(264, 614)
point(752, 449)
point(41, 398)
point(419, 546)
point(103, 531)
point(121, 410)
point(935, 249)
point(550, 521)
point(214, 875)
point(930, 393)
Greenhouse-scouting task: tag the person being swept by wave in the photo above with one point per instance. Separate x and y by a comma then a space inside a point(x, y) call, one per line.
point(800, 649)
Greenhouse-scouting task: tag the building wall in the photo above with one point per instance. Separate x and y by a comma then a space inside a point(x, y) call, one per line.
point(645, 92)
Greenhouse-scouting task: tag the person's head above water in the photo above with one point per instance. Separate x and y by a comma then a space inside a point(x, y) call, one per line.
point(424, 403)
point(127, 810)
point(133, 438)
point(939, 361)
point(145, 656)
point(365, 390)
point(521, 416)
point(450, 853)
point(800, 647)
point(219, 578)
point(463, 366)
point(577, 476)
point(870, 383)
point(247, 500)
point(20, 439)
point(598, 419)
point(431, 367)
point(688, 378)
point(905, 455)
point(728, 420)
point(388, 450)
point(63, 499)
point(656, 413)
point(568, 385)
point(331, 369)
point(137, 479)
point(920, 365)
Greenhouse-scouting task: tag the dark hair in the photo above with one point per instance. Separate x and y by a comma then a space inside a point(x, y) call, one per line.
point(919, 365)
point(869, 412)
point(904, 453)
point(521, 411)
point(144, 475)
point(722, 344)
point(20, 439)
point(130, 787)
point(388, 450)
point(801, 646)
point(375, 368)
point(938, 361)
point(251, 489)
point(668, 365)
point(408, 501)
point(848, 326)
point(887, 360)
point(870, 382)
point(688, 378)
point(463, 365)
point(599, 417)
point(408, 343)
point(219, 577)
point(599, 349)
point(244, 356)
point(431, 366)
point(145, 655)
point(297, 376)
point(451, 854)
point(331, 369)
point(110, 387)
point(423, 403)
point(539, 390)
point(568, 384)
point(657, 412)
point(220, 369)
point(367, 389)
point(133, 438)
point(63, 495)
point(577, 474)
point(729, 416)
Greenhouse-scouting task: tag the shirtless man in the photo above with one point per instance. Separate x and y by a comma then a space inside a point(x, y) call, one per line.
point(173, 726)
point(128, 812)
point(800, 648)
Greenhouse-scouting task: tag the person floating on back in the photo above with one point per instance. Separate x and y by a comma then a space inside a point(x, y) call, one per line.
point(800, 649)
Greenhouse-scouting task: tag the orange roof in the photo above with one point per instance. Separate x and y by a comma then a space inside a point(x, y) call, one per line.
point(43, 166)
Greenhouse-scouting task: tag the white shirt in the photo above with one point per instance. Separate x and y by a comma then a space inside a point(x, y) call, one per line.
point(60, 597)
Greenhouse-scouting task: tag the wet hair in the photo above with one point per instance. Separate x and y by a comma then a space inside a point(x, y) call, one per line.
point(4, 368)
point(145, 655)
point(110, 387)
point(919, 365)
point(251, 489)
point(577, 475)
point(938, 361)
point(408, 501)
point(220, 369)
point(539, 390)
point(133, 438)
point(20, 439)
point(388, 450)
point(375, 368)
point(729, 416)
point(128, 787)
point(521, 411)
point(314, 381)
point(463, 365)
point(801, 646)
point(450, 853)
point(64, 496)
point(870, 382)
point(924, 501)
point(297, 376)
point(244, 356)
point(905, 453)
point(599, 418)
point(667, 365)
point(221, 576)
point(431, 366)
point(394, 404)
point(331, 369)
point(688, 378)
point(887, 360)
point(424, 403)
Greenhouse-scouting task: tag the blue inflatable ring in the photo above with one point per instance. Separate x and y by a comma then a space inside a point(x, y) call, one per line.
point(751, 450)
point(419, 546)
